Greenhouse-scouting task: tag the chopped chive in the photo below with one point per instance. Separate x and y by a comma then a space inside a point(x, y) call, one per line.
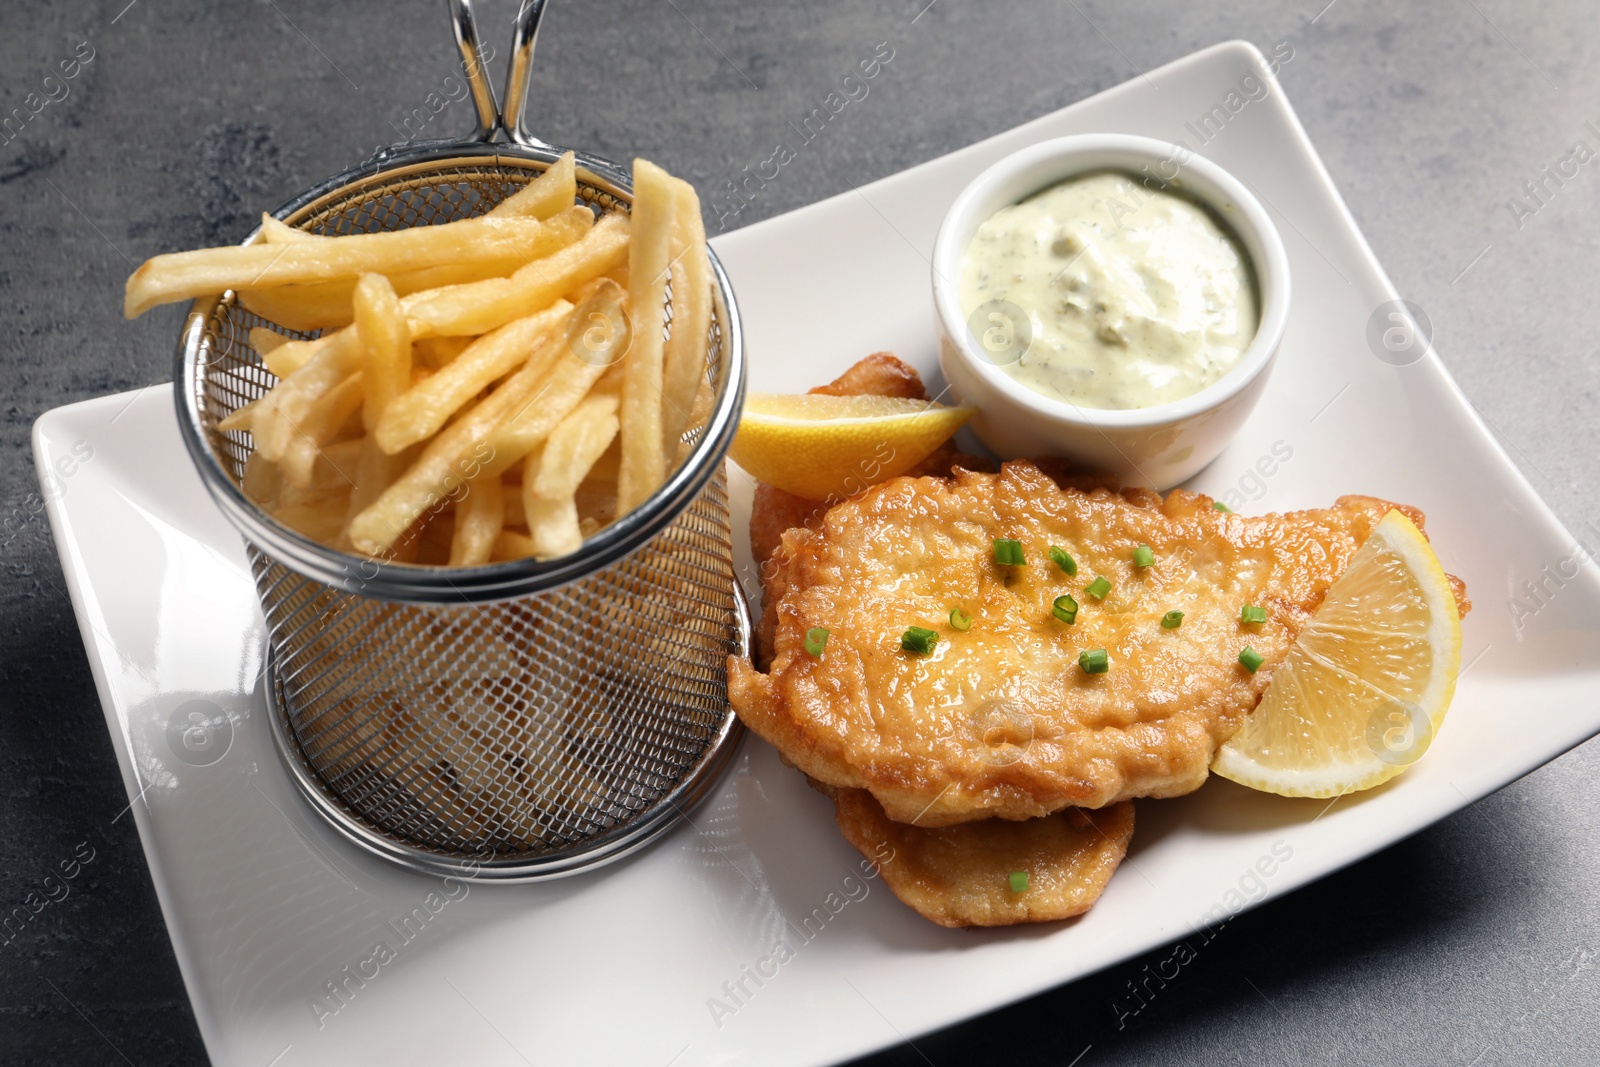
point(1251, 659)
point(1065, 608)
point(1172, 620)
point(816, 640)
point(960, 620)
point(1094, 661)
point(918, 640)
point(1008, 553)
point(1143, 557)
point(1250, 613)
point(1217, 505)
point(1019, 881)
point(1064, 561)
point(1098, 588)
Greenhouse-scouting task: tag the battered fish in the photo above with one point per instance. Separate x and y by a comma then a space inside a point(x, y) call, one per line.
point(961, 875)
point(773, 511)
point(1001, 720)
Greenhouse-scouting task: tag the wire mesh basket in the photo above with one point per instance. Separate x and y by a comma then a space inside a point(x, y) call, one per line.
point(518, 720)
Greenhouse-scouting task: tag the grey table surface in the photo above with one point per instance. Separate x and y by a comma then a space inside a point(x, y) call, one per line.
point(1473, 942)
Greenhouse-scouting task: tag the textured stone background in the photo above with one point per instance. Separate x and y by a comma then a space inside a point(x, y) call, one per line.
point(1455, 947)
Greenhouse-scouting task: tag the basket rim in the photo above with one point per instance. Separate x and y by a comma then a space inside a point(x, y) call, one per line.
point(418, 584)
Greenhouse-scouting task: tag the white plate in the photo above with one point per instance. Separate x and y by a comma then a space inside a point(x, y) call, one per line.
point(627, 965)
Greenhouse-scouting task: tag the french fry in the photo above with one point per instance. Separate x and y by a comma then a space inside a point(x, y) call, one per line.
point(320, 426)
point(264, 340)
point(318, 518)
point(572, 449)
point(419, 412)
point(277, 232)
point(685, 361)
point(302, 307)
point(292, 355)
point(291, 400)
point(242, 417)
point(186, 275)
point(699, 412)
point(376, 470)
point(479, 518)
point(478, 307)
point(336, 465)
point(262, 479)
point(550, 192)
point(532, 420)
point(326, 305)
point(459, 452)
point(554, 472)
point(385, 342)
point(481, 390)
point(600, 331)
point(643, 457)
point(436, 353)
point(553, 527)
point(511, 545)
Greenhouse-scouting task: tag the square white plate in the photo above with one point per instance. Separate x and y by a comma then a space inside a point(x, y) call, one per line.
point(659, 959)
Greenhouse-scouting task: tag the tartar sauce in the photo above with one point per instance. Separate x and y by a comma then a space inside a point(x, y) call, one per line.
point(1133, 297)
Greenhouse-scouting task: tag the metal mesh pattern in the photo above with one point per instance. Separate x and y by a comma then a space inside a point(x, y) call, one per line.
point(523, 728)
point(518, 727)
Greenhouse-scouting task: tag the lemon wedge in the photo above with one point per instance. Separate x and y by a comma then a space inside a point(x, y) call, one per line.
point(831, 447)
point(1365, 688)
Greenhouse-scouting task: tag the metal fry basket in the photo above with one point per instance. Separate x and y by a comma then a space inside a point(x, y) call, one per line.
point(520, 720)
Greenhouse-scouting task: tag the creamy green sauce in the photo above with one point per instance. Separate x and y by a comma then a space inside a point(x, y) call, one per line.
point(1134, 297)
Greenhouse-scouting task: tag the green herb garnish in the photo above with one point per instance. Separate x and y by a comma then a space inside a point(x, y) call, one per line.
point(1251, 659)
point(1172, 620)
point(1064, 561)
point(1094, 661)
point(816, 640)
point(1065, 608)
point(1008, 553)
point(1250, 613)
point(1143, 556)
point(918, 640)
point(960, 620)
point(1098, 588)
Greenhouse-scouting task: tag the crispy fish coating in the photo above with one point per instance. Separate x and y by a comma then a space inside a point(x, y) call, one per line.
point(960, 875)
point(880, 374)
point(1001, 720)
point(773, 511)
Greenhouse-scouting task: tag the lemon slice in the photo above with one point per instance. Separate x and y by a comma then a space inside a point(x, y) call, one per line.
point(830, 447)
point(1365, 688)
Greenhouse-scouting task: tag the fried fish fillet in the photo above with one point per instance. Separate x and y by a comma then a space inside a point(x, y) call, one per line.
point(961, 875)
point(1001, 720)
point(774, 511)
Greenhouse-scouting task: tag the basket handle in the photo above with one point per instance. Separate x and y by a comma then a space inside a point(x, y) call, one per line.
point(491, 117)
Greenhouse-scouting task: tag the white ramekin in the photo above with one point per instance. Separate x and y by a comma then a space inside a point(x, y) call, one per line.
point(1159, 446)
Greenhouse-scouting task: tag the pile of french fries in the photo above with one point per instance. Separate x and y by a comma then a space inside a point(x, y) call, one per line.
point(477, 391)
